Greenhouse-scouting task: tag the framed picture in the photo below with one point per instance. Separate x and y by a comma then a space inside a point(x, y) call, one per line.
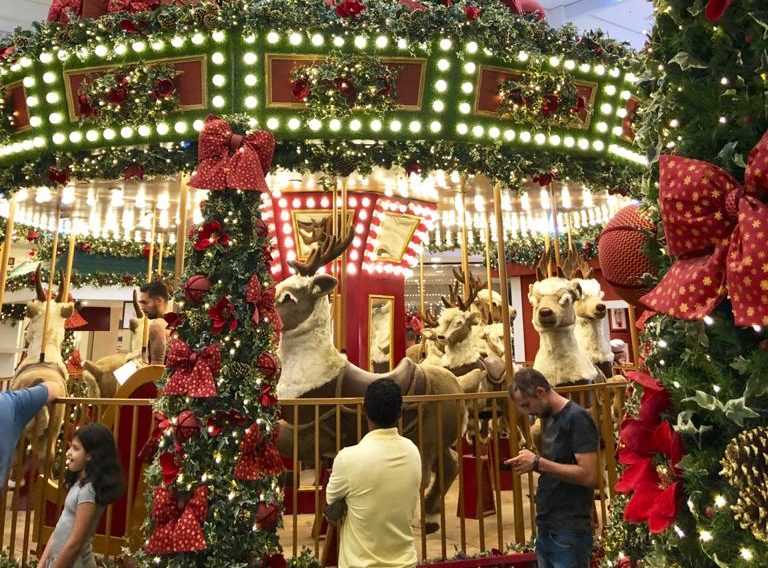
point(129, 312)
point(11, 262)
point(618, 319)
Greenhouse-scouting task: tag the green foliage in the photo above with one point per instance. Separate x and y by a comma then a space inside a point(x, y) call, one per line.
point(129, 95)
point(6, 116)
point(339, 85)
point(541, 98)
point(232, 537)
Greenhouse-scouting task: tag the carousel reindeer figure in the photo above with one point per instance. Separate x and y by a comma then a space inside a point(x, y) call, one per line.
point(493, 334)
point(44, 364)
point(590, 313)
point(102, 372)
point(313, 368)
point(428, 352)
point(381, 338)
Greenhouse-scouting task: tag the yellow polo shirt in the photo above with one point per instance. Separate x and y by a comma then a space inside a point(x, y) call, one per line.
point(379, 478)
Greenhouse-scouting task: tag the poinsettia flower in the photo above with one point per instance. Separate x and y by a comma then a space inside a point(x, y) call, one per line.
point(655, 399)
point(549, 104)
point(58, 175)
point(222, 316)
point(345, 86)
point(33, 235)
point(130, 27)
point(133, 171)
point(170, 468)
point(164, 88)
point(472, 12)
point(349, 8)
point(210, 234)
point(414, 6)
point(276, 560)
point(413, 167)
point(117, 95)
point(300, 88)
point(654, 480)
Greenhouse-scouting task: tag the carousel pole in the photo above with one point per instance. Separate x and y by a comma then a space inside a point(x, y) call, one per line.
point(7, 247)
point(633, 335)
point(334, 269)
point(514, 443)
point(570, 231)
point(556, 230)
point(150, 260)
point(342, 270)
point(421, 283)
point(160, 256)
point(547, 246)
point(70, 261)
point(51, 276)
point(464, 246)
point(181, 232)
point(488, 271)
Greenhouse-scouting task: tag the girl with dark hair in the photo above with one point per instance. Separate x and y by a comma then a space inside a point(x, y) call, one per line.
point(95, 479)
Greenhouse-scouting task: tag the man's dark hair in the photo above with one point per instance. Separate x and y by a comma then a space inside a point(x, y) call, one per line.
point(411, 335)
point(156, 289)
point(526, 381)
point(383, 403)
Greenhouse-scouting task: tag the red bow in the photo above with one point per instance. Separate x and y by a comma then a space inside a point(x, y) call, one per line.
point(192, 372)
point(263, 300)
point(257, 457)
point(231, 161)
point(715, 9)
point(704, 208)
point(61, 10)
point(178, 529)
point(132, 6)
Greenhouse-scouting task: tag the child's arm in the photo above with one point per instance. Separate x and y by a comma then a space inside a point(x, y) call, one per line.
point(46, 552)
point(83, 515)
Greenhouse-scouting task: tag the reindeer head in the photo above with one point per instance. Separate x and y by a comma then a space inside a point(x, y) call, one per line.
point(458, 317)
point(552, 300)
point(493, 333)
point(59, 311)
point(489, 310)
point(302, 299)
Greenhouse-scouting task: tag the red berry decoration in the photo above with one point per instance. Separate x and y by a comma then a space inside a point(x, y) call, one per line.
point(622, 259)
point(709, 511)
point(187, 425)
point(196, 288)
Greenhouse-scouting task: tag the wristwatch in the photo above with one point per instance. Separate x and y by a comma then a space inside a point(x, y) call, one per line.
point(536, 464)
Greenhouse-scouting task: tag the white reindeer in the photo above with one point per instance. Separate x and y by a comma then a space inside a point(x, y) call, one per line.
point(381, 337)
point(48, 368)
point(312, 367)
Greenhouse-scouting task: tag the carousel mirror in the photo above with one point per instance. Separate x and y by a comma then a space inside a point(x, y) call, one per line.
point(381, 325)
point(396, 232)
point(310, 224)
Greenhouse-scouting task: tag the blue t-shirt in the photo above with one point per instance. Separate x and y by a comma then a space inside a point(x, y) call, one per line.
point(17, 407)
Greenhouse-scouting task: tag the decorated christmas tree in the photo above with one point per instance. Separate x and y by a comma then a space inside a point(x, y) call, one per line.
point(694, 445)
point(214, 497)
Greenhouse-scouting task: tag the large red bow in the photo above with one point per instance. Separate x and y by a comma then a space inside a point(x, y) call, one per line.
point(258, 457)
point(263, 300)
point(231, 161)
point(193, 373)
point(132, 6)
point(61, 10)
point(717, 228)
point(178, 529)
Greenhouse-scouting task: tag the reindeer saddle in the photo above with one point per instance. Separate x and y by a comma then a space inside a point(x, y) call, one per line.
point(493, 367)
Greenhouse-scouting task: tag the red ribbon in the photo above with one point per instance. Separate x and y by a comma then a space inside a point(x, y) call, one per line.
point(715, 9)
point(257, 457)
point(231, 161)
point(263, 300)
point(193, 373)
point(132, 6)
point(178, 528)
point(717, 228)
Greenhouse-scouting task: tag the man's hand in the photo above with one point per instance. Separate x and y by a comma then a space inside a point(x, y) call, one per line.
point(523, 463)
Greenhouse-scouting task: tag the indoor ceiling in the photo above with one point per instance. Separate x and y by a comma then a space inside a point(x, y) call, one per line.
point(625, 20)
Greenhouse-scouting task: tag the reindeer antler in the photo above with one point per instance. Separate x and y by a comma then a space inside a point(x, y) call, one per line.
point(39, 285)
point(430, 319)
point(575, 266)
point(328, 248)
point(542, 267)
point(453, 290)
point(470, 294)
point(60, 292)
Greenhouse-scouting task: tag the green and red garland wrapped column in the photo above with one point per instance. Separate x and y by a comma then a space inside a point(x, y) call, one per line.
point(214, 498)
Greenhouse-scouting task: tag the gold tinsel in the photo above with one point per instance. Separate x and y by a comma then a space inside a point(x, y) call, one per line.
point(745, 466)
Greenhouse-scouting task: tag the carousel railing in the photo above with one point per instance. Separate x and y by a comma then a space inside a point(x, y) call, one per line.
point(478, 511)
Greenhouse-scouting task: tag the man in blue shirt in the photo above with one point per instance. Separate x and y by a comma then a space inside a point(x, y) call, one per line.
point(17, 407)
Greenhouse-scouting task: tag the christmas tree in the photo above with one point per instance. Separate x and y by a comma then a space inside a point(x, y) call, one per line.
point(694, 444)
point(214, 498)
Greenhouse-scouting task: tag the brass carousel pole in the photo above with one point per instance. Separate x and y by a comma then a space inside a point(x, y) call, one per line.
point(568, 216)
point(514, 445)
point(488, 271)
point(181, 232)
point(334, 269)
point(70, 260)
point(342, 309)
point(150, 260)
point(421, 283)
point(7, 247)
point(51, 276)
point(464, 246)
point(633, 335)
point(556, 230)
point(160, 255)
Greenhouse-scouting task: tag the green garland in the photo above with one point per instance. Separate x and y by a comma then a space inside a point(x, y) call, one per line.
point(339, 85)
point(13, 312)
point(542, 98)
point(6, 117)
point(526, 250)
point(129, 95)
point(96, 279)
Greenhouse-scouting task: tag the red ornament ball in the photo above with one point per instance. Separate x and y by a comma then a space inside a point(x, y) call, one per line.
point(622, 260)
point(187, 425)
point(196, 288)
point(709, 512)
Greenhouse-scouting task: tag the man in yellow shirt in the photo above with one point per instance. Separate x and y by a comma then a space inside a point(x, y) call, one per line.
point(379, 479)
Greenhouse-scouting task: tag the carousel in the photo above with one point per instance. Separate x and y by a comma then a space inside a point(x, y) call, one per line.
point(334, 192)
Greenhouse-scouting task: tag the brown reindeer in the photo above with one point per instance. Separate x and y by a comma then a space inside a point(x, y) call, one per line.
point(313, 368)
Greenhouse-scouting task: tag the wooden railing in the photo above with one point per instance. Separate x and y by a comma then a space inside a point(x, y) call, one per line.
point(479, 511)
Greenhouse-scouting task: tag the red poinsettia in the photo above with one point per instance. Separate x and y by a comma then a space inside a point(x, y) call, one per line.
point(414, 6)
point(33, 235)
point(349, 8)
point(300, 88)
point(210, 234)
point(472, 12)
point(133, 171)
point(276, 560)
point(345, 86)
point(164, 89)
point(549, 104)
point(653, 479)
point(117, 95)
point(413, 167)
point(58, 176)
point(170, 466)
point(222, 316)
